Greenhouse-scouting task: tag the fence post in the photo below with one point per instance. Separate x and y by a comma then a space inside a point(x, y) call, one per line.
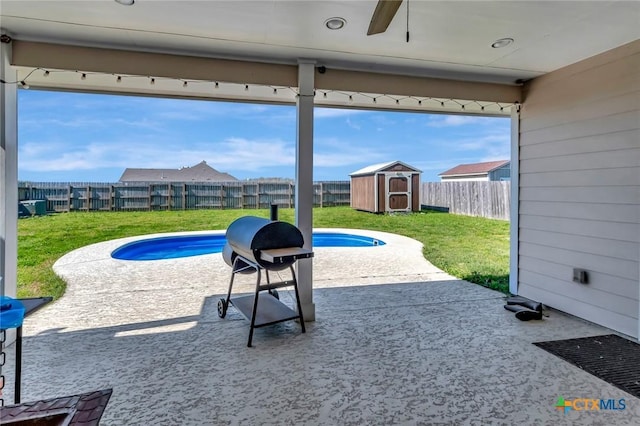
point(257, 195)
point(250, 192)
point(484, 199)
point(290, 194)
point(149, 189)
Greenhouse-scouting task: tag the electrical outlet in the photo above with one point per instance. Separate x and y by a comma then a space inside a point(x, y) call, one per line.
point(580, 276)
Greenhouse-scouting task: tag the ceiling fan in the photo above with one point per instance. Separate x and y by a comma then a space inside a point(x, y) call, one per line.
point(383, 15)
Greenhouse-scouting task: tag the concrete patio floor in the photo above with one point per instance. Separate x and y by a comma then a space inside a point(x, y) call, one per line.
point(396, 342)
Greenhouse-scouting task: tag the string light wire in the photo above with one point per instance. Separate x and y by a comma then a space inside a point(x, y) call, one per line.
point(349, 97)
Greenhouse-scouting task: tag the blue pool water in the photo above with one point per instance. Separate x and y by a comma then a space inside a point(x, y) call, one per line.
point(195, 245)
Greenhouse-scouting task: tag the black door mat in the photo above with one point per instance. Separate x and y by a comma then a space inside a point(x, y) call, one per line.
point(611, 358)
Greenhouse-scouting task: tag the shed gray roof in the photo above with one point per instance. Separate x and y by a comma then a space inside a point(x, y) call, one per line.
point(201, 172)
point(379, 167)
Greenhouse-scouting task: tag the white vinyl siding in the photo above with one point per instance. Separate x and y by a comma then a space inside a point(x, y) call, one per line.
point(580, 189)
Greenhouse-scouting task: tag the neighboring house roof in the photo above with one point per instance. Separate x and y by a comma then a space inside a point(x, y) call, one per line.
point(201, 172)
point(381, 166)
point(475, 168)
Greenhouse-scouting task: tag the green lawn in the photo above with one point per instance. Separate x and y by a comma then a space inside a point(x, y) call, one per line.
point(473, 249)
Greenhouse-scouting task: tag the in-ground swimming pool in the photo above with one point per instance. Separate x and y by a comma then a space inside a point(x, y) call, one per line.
point(194, 245)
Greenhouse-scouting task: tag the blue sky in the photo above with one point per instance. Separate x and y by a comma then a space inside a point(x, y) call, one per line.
point(93, 138)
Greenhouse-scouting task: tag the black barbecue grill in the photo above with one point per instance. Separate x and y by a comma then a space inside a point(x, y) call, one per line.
point(255, 244)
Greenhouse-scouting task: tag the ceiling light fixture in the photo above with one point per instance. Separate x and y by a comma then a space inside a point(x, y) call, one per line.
point(126, 2)
point(503, 42)
point(335, 23)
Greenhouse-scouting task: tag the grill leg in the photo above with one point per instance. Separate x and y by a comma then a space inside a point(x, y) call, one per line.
point(233, 275)
point(295, 288)
point(255, 308)
point(266, 275)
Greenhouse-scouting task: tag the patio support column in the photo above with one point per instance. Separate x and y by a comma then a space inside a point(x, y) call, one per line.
point(8, 171)
point(514, 238)
point(304, 182)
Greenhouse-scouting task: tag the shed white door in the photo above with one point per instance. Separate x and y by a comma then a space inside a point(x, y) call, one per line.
point(398, 190)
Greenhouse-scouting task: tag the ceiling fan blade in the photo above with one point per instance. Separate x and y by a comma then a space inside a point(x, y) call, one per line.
point(382, 16)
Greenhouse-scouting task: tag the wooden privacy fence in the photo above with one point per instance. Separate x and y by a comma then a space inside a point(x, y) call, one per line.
point(65, 197)
point(485, 199)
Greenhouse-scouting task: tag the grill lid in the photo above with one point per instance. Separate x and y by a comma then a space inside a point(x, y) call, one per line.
point(262, 241)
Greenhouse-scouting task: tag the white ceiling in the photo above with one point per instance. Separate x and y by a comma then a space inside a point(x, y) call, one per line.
point(447, 38)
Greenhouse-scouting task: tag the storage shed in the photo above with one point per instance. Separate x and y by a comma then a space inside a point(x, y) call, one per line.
point(386, 187)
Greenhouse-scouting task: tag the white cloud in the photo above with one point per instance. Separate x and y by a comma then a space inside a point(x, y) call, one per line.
point(244, 154)
point(388, 120)
point(340, 159)
point(437, 165)
point(90, 132)
point(353, 125)
point(335, 152)
point(485, 138)
point(458, 120)
point(254, 113)
point(230, 154)
point(89, 123)
point(334, 112)
point(196, 110)
point(483, 142)
point(488, 145)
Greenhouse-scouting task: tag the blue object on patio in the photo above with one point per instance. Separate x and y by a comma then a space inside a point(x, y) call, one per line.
point(11, 313)
point(14, 319)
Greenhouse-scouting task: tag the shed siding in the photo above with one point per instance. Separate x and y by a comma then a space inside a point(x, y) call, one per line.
point(415, 192)
point(503, 173)
point(362, 193)
point(580, 189)
point(398, 168)
point(382, 194)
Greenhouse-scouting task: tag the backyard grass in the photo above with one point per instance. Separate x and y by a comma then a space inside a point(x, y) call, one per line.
point(474, 249)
